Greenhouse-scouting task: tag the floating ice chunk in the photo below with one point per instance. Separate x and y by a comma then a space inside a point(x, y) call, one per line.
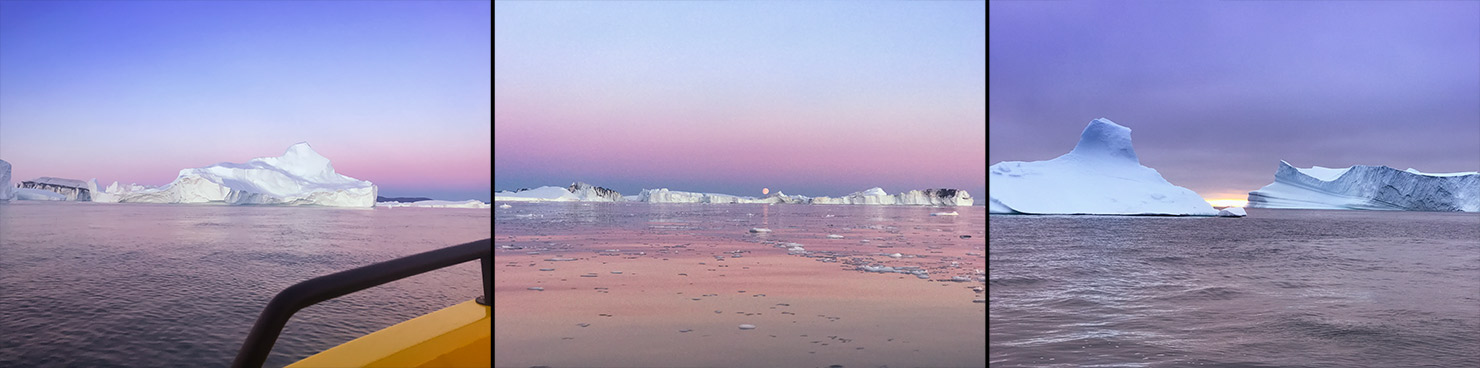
point(747, 327)
point(896, 255)
point(834, 236)
point(1232, 212)
point(616, 272)
point(505, 206)
point(537, 288)
point(759, 230)
point(876, 268)
point(547, 269)
point(952, 213)
point(960, 278)
point(685, 330)
point(978, 300)
point(558, 259)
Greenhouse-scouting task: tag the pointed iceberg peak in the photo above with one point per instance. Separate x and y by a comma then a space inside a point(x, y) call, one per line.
point(301, 150)
point(1106, 139)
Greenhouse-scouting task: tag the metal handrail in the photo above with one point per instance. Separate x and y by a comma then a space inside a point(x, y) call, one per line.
point(301, 295)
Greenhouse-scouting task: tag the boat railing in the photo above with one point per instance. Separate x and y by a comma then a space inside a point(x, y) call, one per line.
point(301, 295)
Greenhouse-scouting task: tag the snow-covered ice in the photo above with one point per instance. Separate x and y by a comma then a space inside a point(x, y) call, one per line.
point(1363, 187)
point(1232, 212)
point(1102, 175)
point(299, 177)
point(541, 194)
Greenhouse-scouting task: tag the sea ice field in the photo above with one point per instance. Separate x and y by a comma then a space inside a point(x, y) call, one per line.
point(738, 285)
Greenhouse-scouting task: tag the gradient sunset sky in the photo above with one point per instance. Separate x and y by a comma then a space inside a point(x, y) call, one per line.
point(1218, 92)
point(394, 92)
point(812, 98)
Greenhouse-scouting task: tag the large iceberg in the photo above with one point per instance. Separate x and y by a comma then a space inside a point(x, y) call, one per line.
point(298, 177)
point(1363, 187)
point(1102, 176)
point(6, 190)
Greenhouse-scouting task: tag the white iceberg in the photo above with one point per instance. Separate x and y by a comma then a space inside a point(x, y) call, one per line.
point(588, 192)
point(1232, 212)
point(541, 194)
point(7, 191)
point(299, 177)
point(927, 197)
point(1363, 187)
point(1102, 175)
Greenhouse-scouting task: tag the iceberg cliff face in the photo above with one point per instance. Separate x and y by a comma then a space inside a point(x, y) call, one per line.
point(1363, 187)
point(6, 189)
point(1102, 175)
point(299, 177)
point(588, 192)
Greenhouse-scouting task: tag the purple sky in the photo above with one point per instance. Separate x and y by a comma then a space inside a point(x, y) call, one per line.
point(1217, 93)
point(394, 92)
point(812, 98)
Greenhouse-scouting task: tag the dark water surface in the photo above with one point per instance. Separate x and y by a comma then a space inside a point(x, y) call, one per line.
point(148, 285)
point(1286, 288)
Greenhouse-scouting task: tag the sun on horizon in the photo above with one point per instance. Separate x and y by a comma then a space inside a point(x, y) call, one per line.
point(1225, 202)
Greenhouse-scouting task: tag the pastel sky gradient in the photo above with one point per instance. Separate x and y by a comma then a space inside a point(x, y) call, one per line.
point(1217, 93)
point(813, 98)
point(394, 92)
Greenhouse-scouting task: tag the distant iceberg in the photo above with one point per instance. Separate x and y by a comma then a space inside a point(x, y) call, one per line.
point(1363, 187)
point(471, 203)
point(873, 196)
point(299, 177)
point(1101, 176)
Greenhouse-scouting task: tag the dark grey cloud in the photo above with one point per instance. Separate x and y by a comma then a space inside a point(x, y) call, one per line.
point(1218, 92)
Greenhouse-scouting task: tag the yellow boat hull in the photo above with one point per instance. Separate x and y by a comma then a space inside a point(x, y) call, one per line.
point(456, 336)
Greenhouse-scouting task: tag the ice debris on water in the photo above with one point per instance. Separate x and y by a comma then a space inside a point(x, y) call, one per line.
point(747, 327)
point(537, 288)
point(547, 269)
point(505, 206)
point(952, 213)
point(834, 236)
point(759, 230)
point(896, 255)
point(558, 259)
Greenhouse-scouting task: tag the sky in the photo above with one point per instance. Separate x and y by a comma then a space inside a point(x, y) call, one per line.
point(810, 98)
point(394, 92)
point(1217, 93)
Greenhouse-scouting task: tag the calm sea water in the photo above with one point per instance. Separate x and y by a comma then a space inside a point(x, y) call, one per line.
point(144, 285)
point(1286, 288)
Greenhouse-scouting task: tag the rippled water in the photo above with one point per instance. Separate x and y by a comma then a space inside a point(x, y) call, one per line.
point(1289, 288)
point(669, 285)
point(143, 285)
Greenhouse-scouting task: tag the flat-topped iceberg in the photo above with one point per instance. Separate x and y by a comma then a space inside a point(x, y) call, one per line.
point(299, 177)
point(1363, 187)
point(1101, 176)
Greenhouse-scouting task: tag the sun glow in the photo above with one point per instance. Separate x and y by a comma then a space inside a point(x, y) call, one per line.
point(1228, 202)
